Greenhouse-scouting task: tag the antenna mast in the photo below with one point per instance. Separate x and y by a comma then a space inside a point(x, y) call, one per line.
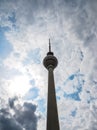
point(49, 46)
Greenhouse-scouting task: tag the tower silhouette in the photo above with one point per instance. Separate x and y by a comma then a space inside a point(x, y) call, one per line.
point(51, 62)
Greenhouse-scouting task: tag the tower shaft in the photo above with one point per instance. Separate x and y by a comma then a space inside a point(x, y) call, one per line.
point(52, 113)
point(50, 62)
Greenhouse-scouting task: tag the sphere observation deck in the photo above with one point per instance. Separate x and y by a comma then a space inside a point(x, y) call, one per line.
point(50, 61)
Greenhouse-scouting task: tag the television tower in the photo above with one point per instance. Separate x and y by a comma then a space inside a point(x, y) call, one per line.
point(50, 62)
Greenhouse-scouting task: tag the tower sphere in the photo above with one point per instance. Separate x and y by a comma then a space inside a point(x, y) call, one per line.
point(50, 61)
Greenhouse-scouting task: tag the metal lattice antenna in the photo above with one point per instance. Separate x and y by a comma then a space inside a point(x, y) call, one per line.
point(49, 46)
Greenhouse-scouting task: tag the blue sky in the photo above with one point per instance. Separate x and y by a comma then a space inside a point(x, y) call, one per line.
point(25, 27)
point(5, 46)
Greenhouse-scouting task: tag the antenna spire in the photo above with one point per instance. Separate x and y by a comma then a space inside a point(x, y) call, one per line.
point(49, 46)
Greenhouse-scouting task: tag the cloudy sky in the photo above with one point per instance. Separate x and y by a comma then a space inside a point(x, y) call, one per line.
point(25, 27)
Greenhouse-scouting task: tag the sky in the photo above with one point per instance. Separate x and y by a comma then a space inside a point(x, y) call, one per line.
point(25, 29)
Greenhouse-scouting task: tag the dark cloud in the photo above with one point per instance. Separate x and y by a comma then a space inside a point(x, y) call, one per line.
point(7, 123)
point(11, 101)
point(24, 116)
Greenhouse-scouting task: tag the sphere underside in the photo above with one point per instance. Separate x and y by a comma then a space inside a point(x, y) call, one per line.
point(50, 61)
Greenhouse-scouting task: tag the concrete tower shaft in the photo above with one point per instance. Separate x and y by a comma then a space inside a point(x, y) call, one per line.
point(50, 62)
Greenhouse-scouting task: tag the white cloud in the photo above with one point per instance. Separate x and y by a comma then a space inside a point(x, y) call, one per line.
point(71, 25)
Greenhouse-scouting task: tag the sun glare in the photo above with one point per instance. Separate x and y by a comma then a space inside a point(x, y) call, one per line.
point(19, 85)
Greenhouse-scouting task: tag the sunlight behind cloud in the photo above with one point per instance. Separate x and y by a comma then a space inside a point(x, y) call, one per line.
point(19, 85)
